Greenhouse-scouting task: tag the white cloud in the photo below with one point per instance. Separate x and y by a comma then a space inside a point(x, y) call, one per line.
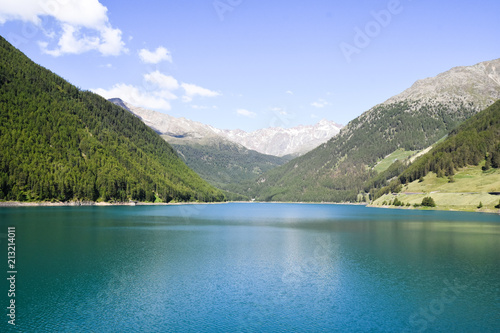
point(289, 92)
point(246, 113)
point(203, 107)
point(321, 103)
point(159, 55)
point(27, 11)
point(71, 44)
point(161, 80)
point(86, 13)
point(84, 25)
point(193, 90)
point(111, 42)
point(166, 94)
point(156, 92)
point(134, 96)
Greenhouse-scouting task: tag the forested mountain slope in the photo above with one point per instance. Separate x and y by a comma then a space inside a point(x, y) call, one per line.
point(223, 163)
point(339, 169)
point(60, 143)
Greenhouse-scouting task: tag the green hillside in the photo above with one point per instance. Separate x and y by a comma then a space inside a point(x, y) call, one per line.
point(461, 172)
point(60, 143)
point(475, 140)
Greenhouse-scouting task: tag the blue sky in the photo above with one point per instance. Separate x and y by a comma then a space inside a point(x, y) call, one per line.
point(252, 64)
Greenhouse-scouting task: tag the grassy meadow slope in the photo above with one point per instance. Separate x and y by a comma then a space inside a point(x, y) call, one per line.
point(461, 172)
point(470, 189)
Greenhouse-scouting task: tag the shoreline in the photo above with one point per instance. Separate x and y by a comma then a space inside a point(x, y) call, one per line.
point(98, 204)
point(133, 203)
point(464, 210)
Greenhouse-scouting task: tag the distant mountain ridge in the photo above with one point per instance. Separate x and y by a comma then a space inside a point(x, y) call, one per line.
point(279, 141)
point(165, 124)
point(274, 141)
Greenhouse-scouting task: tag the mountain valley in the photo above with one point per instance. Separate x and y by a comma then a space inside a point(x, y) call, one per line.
point(223, 157)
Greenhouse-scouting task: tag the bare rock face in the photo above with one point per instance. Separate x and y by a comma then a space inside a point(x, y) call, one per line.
point(478, 84)
point(168, 125)
point(460, 92)
point(275, 141)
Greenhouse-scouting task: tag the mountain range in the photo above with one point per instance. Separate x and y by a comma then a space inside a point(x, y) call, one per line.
point(275, 141)
point(280, 141)
point(413, 120)
point(60, 143)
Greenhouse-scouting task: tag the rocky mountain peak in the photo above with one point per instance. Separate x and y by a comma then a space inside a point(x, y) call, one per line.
point(280, 141)
point(467, 83)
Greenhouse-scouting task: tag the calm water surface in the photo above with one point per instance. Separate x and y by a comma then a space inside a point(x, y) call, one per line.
point(252, 268)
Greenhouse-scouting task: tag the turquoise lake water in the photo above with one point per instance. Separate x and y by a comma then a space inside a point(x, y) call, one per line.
point(251, 268)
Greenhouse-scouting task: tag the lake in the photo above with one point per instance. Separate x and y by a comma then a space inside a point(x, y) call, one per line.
point(255, 267)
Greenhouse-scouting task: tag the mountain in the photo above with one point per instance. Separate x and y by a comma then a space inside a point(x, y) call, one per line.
point(215, 158)
point(476, 84)
point(60, 143)
point(274, 141)
point(339, 169)
point(224, 163)
point(169, 126)
point(279, 141)
point(462, 171)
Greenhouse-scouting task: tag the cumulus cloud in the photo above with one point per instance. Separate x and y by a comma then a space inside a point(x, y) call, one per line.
point(246, 113)
point(156, 92)
point(321, 103)
point(192, 90)
point(84, 25)
point(135, 96)
point(155, 57)
point(161, 80)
